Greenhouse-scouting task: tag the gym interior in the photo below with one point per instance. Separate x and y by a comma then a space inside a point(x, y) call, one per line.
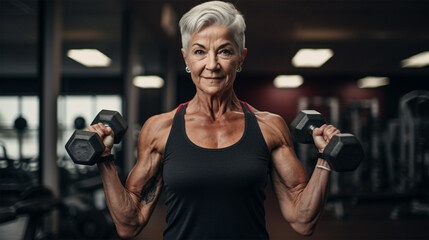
point(373, 83)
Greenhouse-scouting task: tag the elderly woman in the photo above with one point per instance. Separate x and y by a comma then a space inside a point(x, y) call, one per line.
point(213, 155)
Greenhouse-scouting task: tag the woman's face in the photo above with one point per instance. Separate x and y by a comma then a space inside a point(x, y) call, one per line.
point(213, 59)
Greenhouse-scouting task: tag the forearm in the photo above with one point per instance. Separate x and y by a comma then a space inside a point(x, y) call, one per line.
point(123, 208)
point(311, 201)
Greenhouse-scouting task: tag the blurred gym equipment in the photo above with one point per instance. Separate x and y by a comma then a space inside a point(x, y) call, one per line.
point(22, 196)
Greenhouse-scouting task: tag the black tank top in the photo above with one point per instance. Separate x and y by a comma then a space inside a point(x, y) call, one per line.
point(215, 193)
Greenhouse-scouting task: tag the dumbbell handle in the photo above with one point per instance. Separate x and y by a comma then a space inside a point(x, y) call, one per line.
point(104, 116)
point(311, 128)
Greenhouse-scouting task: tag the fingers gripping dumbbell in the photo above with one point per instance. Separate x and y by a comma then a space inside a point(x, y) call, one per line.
point(86, 147)
point(343, 152)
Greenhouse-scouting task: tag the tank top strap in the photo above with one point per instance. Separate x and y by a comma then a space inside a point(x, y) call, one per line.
point(176, 135)
point(181, 107)
point(253, 129)
point(246, 107)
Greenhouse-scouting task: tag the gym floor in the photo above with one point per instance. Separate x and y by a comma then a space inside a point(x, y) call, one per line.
point(368, 221)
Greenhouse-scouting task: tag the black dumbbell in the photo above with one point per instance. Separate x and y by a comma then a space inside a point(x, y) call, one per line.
point(343, 153)
point(86, 147)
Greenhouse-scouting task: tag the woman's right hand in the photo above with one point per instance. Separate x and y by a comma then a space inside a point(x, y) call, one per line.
point(106, 134)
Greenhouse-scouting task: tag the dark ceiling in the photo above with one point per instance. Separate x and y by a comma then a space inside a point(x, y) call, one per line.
point(368, 37)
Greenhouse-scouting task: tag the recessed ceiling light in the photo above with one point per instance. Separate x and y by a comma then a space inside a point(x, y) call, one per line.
point(372, 82)
point(89, 57)
point(288, 81)
point(150, 81)
point(416, 61)
point(315, 58)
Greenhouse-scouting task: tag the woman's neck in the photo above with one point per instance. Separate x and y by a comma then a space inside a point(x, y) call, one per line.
point(214, 106)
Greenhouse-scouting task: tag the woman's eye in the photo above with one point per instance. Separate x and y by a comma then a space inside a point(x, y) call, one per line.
point(225, 52)
point(199, 52)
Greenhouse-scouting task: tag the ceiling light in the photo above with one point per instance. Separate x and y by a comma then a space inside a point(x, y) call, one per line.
point(311, 57)
point(288, 81)
point(372, 82)
point(150, 81)
point(89, 57)
point(416, 61)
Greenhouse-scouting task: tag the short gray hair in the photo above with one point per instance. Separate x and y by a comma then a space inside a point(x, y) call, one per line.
point(213, 13)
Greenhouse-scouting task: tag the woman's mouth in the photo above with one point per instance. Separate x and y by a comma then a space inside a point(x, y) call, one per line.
point(213, 78)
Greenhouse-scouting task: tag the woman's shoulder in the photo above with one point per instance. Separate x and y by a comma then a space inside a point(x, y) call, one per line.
point(158, 121)
point(156, 129)
point(272, 121)
point(266, 116)
point(273, 127)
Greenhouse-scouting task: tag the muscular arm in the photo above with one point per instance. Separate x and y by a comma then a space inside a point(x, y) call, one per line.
point(301, 199)
point(132, 205)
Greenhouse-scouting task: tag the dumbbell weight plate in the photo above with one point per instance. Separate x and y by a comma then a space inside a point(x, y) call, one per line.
point(301, 125)
point(345, 152)
point(84, 147)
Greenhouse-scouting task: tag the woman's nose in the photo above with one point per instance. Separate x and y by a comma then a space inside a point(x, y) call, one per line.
point(212, 63)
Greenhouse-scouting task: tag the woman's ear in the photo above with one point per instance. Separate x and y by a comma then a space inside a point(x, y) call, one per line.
point(184, 56)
